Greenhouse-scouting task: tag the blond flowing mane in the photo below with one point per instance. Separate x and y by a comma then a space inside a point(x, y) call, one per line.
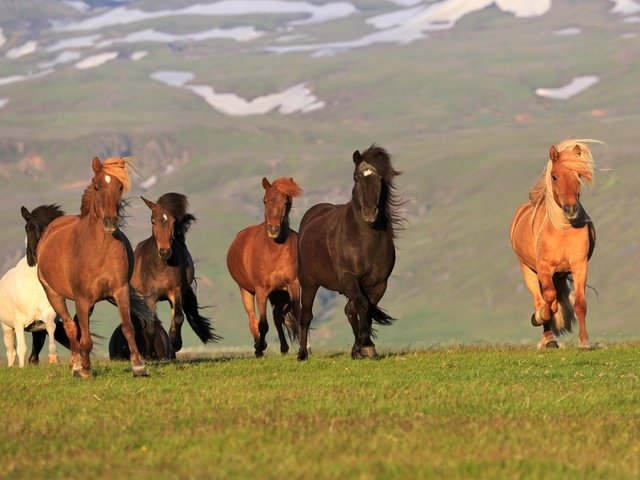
point(582, 163)
point(118, 167)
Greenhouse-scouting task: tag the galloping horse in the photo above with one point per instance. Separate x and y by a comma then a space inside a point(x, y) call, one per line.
point(86, 259)
point(23, 302)
point(349, 249)
point(164, 270)
point(263, 260)
point(553, 238)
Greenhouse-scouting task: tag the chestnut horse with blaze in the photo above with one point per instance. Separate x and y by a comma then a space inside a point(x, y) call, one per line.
point(87, 259)
point(263, 260)
point(553, 238)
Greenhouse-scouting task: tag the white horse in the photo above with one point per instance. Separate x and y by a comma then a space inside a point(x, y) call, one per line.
point(23, 302)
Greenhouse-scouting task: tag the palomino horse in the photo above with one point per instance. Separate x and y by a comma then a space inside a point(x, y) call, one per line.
point(553, 238)
point(263, 260)
point(86, 259)
point(23, 302)
point(349, 249)
point(164, 270)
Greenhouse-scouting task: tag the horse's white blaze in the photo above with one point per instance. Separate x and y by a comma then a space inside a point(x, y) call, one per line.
point(107, 178)
point(366, 169)
point(164, 217)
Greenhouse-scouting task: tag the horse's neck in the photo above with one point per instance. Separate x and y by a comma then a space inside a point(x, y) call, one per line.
point(555, 214)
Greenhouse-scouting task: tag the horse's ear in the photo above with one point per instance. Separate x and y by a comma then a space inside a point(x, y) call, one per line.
point(553, 153)
point(577, 150)
point(149, 203)
point(96, 165)
point(25, 213)
point(265, 183)
point(357, 158)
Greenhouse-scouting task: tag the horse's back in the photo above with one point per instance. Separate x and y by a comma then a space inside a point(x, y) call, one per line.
point(22, 295)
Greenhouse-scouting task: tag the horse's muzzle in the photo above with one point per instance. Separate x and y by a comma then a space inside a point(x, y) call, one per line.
point(273, 231)
point(571, 211)
point(370, 215)
point(164, 253)
point(110, 224)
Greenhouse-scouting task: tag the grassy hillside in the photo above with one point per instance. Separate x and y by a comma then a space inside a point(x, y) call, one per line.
point(457, 110)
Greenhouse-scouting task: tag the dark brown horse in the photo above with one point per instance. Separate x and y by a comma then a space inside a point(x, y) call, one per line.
point(349, 249)
point(263, 260)
point(164, 270)
point(87, 258)
point(554, 238)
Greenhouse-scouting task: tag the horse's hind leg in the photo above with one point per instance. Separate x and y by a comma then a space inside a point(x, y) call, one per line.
point(51, 330)
point(38, 338)
point(280, 302)
point(177, 319)
point(9, 343)
point(306, 315)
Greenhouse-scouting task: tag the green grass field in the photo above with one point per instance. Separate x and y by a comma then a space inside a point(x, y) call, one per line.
point(460, 412)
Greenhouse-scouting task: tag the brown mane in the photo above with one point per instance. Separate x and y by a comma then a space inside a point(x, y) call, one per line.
point(287, 186)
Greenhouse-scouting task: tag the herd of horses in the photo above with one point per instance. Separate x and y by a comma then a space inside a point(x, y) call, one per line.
point(348, 248)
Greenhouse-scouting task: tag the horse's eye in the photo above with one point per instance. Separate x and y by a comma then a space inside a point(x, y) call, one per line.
point(554, 178)
point(153, 222)
point(95, 187)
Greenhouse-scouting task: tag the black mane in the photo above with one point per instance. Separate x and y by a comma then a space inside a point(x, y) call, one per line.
point(177, 204)
point(45, 214)
point(37, 222)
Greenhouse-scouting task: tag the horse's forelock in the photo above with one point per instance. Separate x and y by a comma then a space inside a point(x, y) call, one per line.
point(287, 186)
point(380, 159)
point(177, 205)
point(45, 214)
point(119, 167)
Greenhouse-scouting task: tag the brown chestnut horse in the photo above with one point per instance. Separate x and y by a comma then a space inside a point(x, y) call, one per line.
point(86, 259)
point(553, 238)
point(349, 249)
point(263, 260)
point(164, 270)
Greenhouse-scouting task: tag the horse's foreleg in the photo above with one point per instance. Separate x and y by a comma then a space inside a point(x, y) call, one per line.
point(549, 305)
point(248, 302)
point(177, 319)
point(263, 325)
point(363, 345)
point(9, 343)
point(580, 304)
point(306, 315)
point(124, 309)
point(86, 343)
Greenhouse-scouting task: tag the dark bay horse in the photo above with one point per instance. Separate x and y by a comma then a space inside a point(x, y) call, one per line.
point(87, 259)
point(349, 249)
point(164, 270)
point(553, 238)
point(263, 260)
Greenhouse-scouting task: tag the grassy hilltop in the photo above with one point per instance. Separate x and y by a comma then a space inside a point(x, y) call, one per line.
point(457, 110)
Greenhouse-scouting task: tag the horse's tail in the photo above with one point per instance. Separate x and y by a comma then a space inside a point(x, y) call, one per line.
point(282, 300)
point(380, 316)
point(200, 325)
point(563, 320)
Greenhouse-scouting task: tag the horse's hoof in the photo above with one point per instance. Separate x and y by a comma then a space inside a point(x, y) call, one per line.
point(368, 351)
point(585, 347)
point(53, 359)
point(259, 354)
point(551, 344)
point(140, 372)
point(302, 356)
point(83, 373)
